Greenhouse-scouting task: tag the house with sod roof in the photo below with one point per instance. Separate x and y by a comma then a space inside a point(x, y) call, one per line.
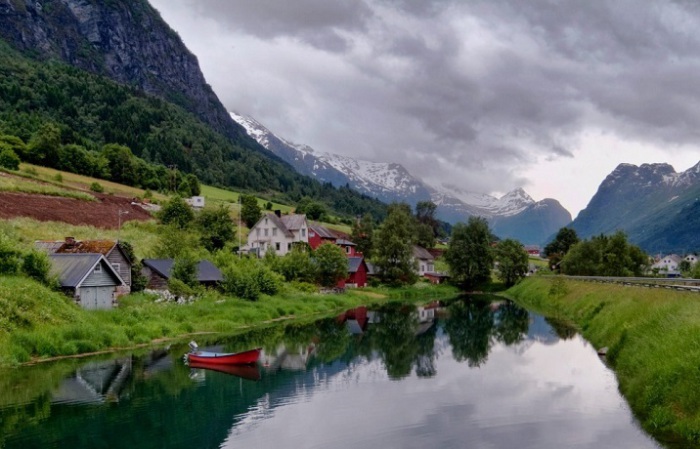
point(112, 250)
point(88, 278)
point(278, 233)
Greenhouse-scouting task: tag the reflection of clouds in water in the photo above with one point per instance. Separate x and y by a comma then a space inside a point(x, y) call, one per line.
point(536, 396)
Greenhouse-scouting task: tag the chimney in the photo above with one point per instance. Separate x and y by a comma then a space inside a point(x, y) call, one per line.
point(278, 212)
point(70, 240)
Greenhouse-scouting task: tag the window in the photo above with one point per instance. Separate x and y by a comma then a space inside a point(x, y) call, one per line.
point(303, 232)
point(289, 246)
point(347, 250)
point(266, 232)
point(274, 232)
point(312, 234)
point(277, 246)
point(98, 268)
point(266, 221)
point(257, 232)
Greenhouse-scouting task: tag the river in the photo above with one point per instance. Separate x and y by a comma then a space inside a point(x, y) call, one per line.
point(475, 374)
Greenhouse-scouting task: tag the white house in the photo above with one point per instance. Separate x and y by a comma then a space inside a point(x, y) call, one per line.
point(424, 260)
point(692, 258)
point(277, 232)
point(668, 264)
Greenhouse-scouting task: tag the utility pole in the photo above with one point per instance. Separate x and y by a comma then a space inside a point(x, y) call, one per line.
point(119, 228)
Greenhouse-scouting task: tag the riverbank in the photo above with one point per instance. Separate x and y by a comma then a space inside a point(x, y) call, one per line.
point(653, 336)
point(39, 324)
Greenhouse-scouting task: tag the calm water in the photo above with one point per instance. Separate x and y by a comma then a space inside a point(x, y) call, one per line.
point(472, 375)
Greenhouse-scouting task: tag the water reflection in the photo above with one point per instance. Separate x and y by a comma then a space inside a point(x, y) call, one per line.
point(472, 374)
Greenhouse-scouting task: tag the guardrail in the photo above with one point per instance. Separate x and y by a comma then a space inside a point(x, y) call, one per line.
point(683, 284)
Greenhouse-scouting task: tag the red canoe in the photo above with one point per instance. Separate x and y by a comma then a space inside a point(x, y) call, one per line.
point(218, 358)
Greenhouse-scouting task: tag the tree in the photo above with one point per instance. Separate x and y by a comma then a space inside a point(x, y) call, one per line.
point(297, 265)
point(44, 145)
point(313, 209)
point(185, 269)
point(138, 280)
point(176, 212)
point(469, 254)
point(250, 210)
point(362, 232)
point(193, 185)
point(512, 261)
point(36, 264)
point(425, 236)
point(121, 163)
point(216, 227)
point(557, 248)
point(425, 214)
point(332, 264)
point(393, 245)
point(605, 256)
point(9, 159)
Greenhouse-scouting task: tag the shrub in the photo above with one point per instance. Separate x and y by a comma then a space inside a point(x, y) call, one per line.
point(176, 212)
point(58, 177)
point(9, 255)
point(96, 187)
point(36, 264)
point(9, 159)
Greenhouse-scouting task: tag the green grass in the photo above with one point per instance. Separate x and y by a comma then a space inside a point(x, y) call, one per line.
point(37, 323)
point(11, 182)
point(653, 336)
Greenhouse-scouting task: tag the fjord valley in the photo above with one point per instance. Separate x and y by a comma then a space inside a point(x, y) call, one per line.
point(138, 214)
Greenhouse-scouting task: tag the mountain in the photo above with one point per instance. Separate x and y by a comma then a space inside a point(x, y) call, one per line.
point(87, 73)
point(657, 207)
point(515, 215)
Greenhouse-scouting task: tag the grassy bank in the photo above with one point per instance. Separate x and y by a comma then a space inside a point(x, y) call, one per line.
point(653, 336)
point(37, 323)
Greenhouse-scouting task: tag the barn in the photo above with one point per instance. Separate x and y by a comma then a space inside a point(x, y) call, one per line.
point(88, 278)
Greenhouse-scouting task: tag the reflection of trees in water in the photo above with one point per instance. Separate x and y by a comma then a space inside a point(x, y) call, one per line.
point(394, 338)
point(333, 340)
point(512, 323)
point(425, 355)
point(473, 326)
point(562, 328)
point(469, 328)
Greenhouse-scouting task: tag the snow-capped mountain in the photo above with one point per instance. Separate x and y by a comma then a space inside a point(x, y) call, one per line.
point(392, 182)
point(657, 207)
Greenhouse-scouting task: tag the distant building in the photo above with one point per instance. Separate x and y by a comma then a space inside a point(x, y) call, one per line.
point(424, 260)
point(196, 202)
point(277, 232)
point(88, 278)
point(668, 265)
point(159, 271)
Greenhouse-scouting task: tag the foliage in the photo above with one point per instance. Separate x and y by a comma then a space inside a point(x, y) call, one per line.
point(138, 280)
point(247, 278)
point(557, 248)
point(512, 261)
point(216, 227)
point(36, 265)
point(250, 210)
point(9, 159)
point(193, 186)
point(332, 264)
point(425, 236)
point(469, 254)
point(314, 210)
point(362, 235)
point(176, 212)
point(428, 226)
point(393, 249)
point(173, 242)
point(10, 255)
point(605, 256)
point(97, 187)
point(296, 265)
point(185, 269)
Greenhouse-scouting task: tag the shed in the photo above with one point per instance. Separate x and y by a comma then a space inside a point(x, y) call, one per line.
point(158, 272)
point(357, 272)
point(88, 278)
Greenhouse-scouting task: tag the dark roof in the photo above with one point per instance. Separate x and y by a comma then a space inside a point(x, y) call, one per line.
point(421, 253)
point(206, 271)
point(293, 222)
point(354, 264)
point(72, 269)
point(371, 269)
point(278, 223)
point(322, 231)
point(344, 242)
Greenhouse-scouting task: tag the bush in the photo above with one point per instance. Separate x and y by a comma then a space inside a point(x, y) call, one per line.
point(9, 159)
point(36, 264)
point(96, 187)
point(176, 212)
point(9, 255)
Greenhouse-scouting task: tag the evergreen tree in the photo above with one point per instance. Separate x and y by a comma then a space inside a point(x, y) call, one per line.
point(362, 232)
point(393, 247)
point(469, 254)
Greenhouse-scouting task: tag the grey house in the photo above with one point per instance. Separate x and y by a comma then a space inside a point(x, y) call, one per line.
point(88, 278)
point(158, 272)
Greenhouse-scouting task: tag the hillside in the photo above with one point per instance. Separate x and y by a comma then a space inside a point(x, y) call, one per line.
point(657, 207)
point(92, 110)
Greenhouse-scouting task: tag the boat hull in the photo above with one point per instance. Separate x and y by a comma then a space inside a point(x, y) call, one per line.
point(218, 358)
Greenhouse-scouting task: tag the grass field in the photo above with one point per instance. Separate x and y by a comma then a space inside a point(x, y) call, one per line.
point(11, 182)
point(653, 336)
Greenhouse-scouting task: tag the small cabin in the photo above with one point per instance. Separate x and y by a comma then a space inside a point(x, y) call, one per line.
point(159, 271)
point(89, 279)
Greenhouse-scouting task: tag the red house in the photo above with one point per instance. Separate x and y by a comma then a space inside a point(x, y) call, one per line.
point(357, 272)
point(319, 234)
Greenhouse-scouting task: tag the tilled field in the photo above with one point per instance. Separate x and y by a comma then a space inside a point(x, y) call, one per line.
point(103, 213)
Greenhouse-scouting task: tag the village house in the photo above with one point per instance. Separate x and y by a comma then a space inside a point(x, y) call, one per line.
point(159, 271)
point(110, 249)
point(278, 233)
point(691, 258)
point(424, 260)
point(668, 265)
point(89, 279)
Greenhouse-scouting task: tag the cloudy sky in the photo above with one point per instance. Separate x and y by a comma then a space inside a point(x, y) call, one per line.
point(485, 95)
